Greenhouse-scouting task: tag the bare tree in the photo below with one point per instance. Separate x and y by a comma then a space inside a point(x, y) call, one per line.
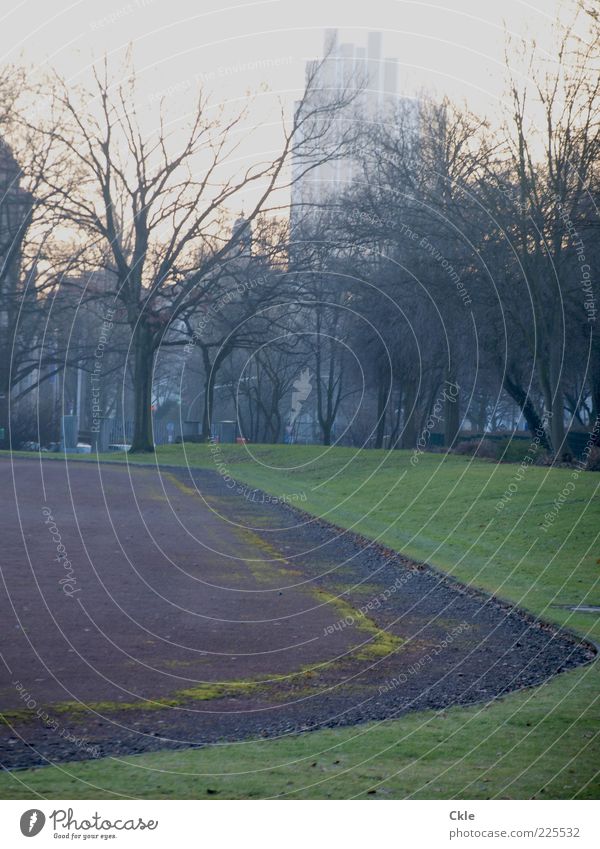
point(550, 166)
point(153, 210)
point(31, 264)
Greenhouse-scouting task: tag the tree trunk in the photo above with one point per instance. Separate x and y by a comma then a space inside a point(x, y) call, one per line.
point(209, 392)
point(210, 374)
point(535, 425)
point(557, 425)
point(554, 399)
point(396, 422)
point(595, 392)
point(551, 405)
point(482, 414)
point(4, 399)
point(408, 438)
point(210, 378)
point(142, 391)
point(451, 411)
point(383, 396)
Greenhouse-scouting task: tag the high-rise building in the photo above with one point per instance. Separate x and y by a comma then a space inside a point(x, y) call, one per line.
point(365, 82)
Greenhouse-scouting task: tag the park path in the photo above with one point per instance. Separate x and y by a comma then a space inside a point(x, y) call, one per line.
point(146, 610)
point(122, 584)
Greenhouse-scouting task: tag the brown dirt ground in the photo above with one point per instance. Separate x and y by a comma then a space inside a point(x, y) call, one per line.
point(190, 613)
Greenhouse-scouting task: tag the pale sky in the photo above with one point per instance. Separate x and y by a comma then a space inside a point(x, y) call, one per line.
point(453, 47)
point(450, 46)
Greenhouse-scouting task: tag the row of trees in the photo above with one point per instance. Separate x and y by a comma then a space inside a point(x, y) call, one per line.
point(453, 276)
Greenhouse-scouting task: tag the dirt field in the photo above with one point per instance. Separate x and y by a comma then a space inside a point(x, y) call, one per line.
point(144, 610)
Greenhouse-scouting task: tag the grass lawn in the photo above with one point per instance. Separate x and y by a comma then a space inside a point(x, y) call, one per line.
point(444, 510)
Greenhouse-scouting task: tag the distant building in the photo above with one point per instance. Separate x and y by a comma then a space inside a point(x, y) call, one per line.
point(241, 236)
point(369, 81)
point(15, 209)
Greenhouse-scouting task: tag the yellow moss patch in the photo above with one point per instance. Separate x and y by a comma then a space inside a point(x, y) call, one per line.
point(381, 644)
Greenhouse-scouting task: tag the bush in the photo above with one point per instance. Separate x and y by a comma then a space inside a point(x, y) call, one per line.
point(483, 449)
point(516, 450)
point(593, 463)
point(544, 458)
point(24, 423)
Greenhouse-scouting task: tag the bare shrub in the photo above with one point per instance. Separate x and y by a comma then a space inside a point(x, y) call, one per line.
point(483, 449)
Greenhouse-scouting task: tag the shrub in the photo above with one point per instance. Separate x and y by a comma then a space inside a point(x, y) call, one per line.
point(516, 450)
point(24, 423)
point(544, 458)
point(482, 449)
point(593, 463)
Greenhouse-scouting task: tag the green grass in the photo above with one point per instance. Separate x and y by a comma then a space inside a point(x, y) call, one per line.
point(528, 745)
point(442, 510)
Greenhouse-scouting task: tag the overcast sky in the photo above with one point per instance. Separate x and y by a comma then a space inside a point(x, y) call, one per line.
point(453, 46)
